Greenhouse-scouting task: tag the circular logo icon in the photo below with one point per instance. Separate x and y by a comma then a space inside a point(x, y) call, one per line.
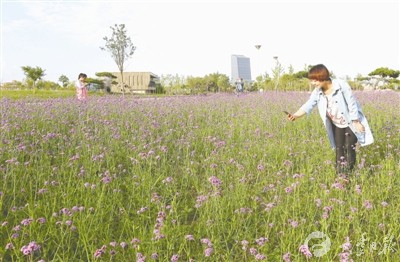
point(319, 250)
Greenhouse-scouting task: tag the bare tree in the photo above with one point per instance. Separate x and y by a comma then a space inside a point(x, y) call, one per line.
point(120, 46)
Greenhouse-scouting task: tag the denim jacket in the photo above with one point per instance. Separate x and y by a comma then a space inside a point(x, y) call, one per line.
point(347, 104)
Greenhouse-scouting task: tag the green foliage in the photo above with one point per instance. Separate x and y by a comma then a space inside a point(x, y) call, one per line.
point(301, 74)
point(41, 84)
point(47, 85)
point(107, 79)
point(393, 84)
point(355, 85)
point(159, 89)
point(99, 84)
point(106, 74)
point(29, 83)
point(276, 73)
point(14, 85)
point(215, 82)
point(290, 81)
point(64, 80)
point(41, 94)
point(360, 77)
point(385, 72)
point(197, 85)
point(175, 84)
point(33, 73)
point(223, 83)
point(263, 82)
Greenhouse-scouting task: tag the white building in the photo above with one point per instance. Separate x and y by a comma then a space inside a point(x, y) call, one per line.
point(240, 68)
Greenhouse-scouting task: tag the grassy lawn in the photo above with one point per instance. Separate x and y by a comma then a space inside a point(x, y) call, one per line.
point(17, 94)
point(45, 94)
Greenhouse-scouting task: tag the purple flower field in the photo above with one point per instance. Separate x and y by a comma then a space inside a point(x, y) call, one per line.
point(197, 178)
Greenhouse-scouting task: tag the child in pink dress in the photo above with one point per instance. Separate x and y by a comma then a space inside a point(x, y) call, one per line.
point(81, 89)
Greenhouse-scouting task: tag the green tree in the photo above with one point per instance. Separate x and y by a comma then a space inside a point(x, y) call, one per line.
point(48, 85)
point(173, 83)
point(120, 46)
point(64, 80)
point(97, 83)
point(33, 74)
point(106, 74)
point(301, 74)
point(216, 82)
point(262, 82)
point(223, 83)
point(197, 85)
point(384, 72)
point(14, 85)
point(107, 79)
point(277, 72)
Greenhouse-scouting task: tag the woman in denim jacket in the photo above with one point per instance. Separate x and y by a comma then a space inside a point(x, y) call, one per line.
point(341, 114)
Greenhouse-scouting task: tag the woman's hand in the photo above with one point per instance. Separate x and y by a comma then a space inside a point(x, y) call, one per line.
point(359, 127)
point(291, 117)
point(298, 114)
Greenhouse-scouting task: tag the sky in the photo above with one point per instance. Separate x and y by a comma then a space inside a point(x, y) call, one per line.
point(196, 38)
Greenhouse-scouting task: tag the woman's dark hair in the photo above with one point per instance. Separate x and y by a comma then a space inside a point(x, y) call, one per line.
point(319, 73)
point(82, 75)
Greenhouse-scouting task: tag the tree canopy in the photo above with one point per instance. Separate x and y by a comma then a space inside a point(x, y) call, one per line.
point(384, 72)
point(33, 73)
point(106, 74)
point(64, 80)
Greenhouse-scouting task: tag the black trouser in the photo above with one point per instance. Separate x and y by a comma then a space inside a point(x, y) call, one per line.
point(345, 141)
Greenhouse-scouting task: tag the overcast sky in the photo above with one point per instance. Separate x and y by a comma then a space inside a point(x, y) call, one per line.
point(195, 38)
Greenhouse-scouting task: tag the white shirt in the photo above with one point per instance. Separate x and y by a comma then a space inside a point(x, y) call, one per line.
point(333, 112)
point(79, 84)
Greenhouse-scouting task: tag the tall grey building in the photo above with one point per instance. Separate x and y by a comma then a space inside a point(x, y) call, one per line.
point(240, 68)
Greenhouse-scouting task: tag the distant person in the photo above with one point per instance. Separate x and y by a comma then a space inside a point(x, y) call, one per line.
point(341, 114)
point(239, 85)
point(81, 87)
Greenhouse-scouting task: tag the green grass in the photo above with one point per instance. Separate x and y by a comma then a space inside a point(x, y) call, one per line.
point(42, 94)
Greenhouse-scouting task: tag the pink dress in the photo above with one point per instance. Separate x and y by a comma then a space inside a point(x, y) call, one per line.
point(81, 90)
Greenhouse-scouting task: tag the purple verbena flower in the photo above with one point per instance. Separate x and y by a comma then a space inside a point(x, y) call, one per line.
point(30, 248)
point(189, 237)
point(208, 251)
point(175, 258)
point(286, 257)
point(215, 181)
point(260, 257)
point(305, 251)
